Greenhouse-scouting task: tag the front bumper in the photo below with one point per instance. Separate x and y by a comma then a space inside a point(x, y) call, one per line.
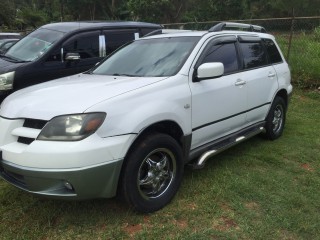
point(98, 181)
point(84, 169)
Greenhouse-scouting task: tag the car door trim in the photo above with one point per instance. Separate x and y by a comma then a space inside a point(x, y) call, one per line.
point(226, 118)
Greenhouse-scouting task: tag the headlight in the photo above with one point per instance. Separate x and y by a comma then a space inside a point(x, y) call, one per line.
point(6, 81)
point(71, 127)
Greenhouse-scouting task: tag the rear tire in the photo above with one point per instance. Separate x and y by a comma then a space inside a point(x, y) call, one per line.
point(152, 173)
point(276, 118)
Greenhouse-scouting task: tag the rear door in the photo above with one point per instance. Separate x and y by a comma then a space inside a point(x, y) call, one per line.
point(260, 78)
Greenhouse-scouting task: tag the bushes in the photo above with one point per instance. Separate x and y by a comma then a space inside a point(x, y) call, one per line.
point(303, 58)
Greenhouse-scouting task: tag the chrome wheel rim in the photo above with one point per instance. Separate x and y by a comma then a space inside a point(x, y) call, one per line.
point(156, 173)
point(277, 118)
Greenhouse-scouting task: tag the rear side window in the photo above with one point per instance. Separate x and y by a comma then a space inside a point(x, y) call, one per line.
point(118, 38)
point(273, 52)
point(253, 54)
point(224, 53)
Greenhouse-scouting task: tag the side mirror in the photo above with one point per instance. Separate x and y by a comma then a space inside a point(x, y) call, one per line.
point(72, 56)
point(209, 71)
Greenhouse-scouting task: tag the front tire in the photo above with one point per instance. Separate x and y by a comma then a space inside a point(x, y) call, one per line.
point(152, 173)
point(276, 119)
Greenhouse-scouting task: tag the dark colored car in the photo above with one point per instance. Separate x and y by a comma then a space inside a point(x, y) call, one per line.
point(5, 44)
point(62, 49)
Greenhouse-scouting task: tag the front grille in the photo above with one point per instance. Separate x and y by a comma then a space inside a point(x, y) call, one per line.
point(25, 140)
point(24, 135)
point(34, 123)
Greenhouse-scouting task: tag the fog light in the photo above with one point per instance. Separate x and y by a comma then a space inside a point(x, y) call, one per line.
point(68, 185)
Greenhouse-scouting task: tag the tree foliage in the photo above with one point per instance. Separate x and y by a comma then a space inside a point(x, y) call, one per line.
point(21, 14)
point(7, 12)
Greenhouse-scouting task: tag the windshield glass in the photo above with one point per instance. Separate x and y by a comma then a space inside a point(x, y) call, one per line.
point(149, 57)
point(34, 45)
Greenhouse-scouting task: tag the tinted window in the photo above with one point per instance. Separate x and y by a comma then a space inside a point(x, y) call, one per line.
point(253, 54)
point(272, 50)
point(87, 45)
point(117, 39)
point(55, 56)
point(225, 53)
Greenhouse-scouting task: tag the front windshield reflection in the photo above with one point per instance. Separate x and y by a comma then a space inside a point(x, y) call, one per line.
point(34, 45)
point(149, 57)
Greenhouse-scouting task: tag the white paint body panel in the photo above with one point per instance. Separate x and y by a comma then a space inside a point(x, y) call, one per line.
point(212, 101)
point(206, 110)
point(68, 95)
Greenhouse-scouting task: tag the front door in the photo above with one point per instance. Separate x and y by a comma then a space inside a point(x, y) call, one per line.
point(219, 104)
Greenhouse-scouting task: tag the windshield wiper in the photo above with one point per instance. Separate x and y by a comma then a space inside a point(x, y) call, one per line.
point(126, 75)
point(11, 59)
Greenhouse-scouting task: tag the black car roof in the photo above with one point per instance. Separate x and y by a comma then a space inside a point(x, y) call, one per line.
point(72, 26)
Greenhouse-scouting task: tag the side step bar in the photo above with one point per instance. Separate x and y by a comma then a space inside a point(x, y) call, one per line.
point(220, 145)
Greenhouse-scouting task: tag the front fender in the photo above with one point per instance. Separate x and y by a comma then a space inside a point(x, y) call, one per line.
point(134, 111)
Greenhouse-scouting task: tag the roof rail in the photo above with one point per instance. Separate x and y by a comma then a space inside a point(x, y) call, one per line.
point(237, 26)
point(165, 31)
point(155, 32)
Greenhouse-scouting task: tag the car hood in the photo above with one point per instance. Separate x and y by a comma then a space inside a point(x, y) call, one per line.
point(7, 66)
point(69, 95)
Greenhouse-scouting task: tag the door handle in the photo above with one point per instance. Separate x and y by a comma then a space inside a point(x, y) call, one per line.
point(240, 82)
point(271, 75)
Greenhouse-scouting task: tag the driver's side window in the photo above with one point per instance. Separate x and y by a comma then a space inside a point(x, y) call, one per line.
point(85, 44)
point(55, 56)
point(225, 53)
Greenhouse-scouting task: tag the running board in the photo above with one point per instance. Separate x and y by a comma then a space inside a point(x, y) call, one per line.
point(225, 143)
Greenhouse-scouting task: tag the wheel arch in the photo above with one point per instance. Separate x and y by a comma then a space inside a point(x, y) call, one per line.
point(170, 128)
point(284, 95)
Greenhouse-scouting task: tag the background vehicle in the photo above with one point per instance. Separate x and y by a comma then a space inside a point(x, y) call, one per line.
point(62, 49)
point(5, 44)
point(5, 35)
point(130, 124)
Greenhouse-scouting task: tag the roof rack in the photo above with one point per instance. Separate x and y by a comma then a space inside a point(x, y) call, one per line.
point(237, 26)
point(155, 32)
point(165, 31)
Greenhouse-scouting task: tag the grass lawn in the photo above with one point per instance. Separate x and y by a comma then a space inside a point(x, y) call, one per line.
point(257, 190)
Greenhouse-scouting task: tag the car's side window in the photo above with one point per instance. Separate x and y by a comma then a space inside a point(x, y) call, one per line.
point(115, 39)
point(273, 52)
point(87, 45)
point(253, 54)
point(55, 56)
point(225, 53)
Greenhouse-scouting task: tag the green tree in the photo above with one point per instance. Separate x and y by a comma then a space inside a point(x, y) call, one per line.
point(7, 12)
point(160, 11)
point(282, 8)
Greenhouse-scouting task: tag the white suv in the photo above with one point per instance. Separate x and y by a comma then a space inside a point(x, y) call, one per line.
point(130, 125)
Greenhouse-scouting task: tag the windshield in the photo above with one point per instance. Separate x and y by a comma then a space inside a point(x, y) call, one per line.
point(149, 57)
point(34, 45)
